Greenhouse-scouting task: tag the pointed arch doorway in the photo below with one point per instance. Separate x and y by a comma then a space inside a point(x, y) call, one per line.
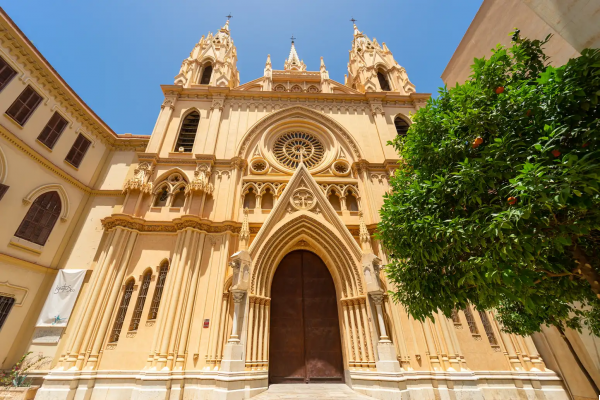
point(305, 342)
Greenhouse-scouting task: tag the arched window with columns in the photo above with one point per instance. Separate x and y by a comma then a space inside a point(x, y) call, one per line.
point(118, 325)
point(401, 125)
point(158, 290)
point(206, 74)
point(141, 300)
point(187, 132)
point(40, 218)
point(383, 81)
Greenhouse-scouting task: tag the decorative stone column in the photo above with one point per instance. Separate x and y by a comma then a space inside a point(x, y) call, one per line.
point(138, 185)
point(387, 359)
point(241, 263)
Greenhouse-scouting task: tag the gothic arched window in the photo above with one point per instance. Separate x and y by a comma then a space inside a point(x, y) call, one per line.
point(40, 219)
point(351, 201)
point(206, 74)
point(383, 82)
point(250, 200)
point(266, 202)
point(401, 126)
point(141, 300)
point(158, 290)
point(162, 197)
point(116, 330)
point(179, 198)
point(187, 133)
point(335, 201)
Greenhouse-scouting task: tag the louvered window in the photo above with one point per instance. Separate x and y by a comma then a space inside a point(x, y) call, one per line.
point(22, 108)
point(206, 74)
point(6, 73)
point(383, 82)
point(471, 321)
point(40, 219)
point(455, 317)
point(52, 131)
point(3, 190)
point(116, 330)
point(187, 133)
point(489, 331)
point(139, 304)
point(401, 126)
point(80, 147)
point(160, 285)
point(6, 304)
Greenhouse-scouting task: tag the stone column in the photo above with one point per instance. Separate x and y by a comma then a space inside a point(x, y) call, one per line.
point(233, 354)
point(214, 123)
point(388, 361)
point(160, 129)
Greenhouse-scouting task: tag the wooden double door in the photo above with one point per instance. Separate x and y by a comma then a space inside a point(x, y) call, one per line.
point(305, 343)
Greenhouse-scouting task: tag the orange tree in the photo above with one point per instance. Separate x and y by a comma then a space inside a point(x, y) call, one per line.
point(496, 201)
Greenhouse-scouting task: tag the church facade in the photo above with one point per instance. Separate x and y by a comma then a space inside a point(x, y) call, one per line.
point(239, 250)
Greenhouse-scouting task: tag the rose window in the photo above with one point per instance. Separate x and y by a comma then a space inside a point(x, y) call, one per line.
point(291, 147)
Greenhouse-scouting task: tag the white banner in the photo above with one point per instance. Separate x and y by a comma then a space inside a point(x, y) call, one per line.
point(61, 299)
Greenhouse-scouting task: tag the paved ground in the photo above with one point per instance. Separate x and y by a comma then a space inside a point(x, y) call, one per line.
point(316, 391)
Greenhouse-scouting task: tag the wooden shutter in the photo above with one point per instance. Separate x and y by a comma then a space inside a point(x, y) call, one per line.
point(139, 304)
point(3, 190)
point(40, 219)
point(52, 131)
point(6, 73)
point(78, 150)
point(160, 285)
point(116, 330)
point(22, 108)
point(6, 304)
point(187, 133)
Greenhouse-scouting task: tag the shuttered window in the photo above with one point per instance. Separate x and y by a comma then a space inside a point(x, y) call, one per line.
point(116, 330)
point(40, 219)
point(3, 190)
point(187, 133)
point(52, 131)
point(6, 304)
point(160, 285)
point(6, 73)
point(206, 74)
point(401, 126)
point(80, 147)
point(22, 108)
point(139, 304)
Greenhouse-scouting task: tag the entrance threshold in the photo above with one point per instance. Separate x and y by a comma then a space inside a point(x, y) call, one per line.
point(316, 391)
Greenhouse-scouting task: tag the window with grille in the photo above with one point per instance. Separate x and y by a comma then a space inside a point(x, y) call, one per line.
point(187, 133)
point(383, 82)
point(116, 330)
point(139, 304)
point(455, 318)
point(160, 285)
point(40, 219)
point(6, 73)
point(489, 331)
point(401, 126)
point(471, 321)
point(52, 131)
point(206, 74)
point(22, 108)
point(80, 147)
point(6, 304)
point(3, 190)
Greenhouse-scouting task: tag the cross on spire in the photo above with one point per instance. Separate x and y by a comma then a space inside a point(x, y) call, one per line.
point(293, 38)
point(353, 20)
point(229, 16)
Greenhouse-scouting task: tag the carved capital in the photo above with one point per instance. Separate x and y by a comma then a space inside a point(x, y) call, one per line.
point(377, 298)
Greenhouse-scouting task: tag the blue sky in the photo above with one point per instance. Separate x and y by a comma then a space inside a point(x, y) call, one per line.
point(116, 53)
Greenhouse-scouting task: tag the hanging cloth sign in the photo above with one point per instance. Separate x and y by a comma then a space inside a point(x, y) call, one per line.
point(61, 299)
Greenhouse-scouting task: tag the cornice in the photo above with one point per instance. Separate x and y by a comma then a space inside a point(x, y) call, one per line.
point(207, 92)
point(34, 62)
point(178, 224)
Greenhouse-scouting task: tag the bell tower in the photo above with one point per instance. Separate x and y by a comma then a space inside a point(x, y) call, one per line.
point(212, 62)
point(372, 67)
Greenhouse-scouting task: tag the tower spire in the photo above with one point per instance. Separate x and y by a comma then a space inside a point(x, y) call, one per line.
point(293, 62)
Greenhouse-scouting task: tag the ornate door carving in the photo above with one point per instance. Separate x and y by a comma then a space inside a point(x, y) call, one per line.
point(305, 343)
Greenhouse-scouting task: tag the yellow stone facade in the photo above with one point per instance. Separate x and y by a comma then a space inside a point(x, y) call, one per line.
point(200, 221)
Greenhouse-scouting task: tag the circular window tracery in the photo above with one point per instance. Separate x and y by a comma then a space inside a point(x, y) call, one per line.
point(291, 147)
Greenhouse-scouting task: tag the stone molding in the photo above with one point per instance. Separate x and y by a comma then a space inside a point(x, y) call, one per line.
point(178, 224)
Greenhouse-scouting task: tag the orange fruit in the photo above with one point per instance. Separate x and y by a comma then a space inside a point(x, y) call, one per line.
point(500, 89)
point(512, 200)
point(555, 153)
